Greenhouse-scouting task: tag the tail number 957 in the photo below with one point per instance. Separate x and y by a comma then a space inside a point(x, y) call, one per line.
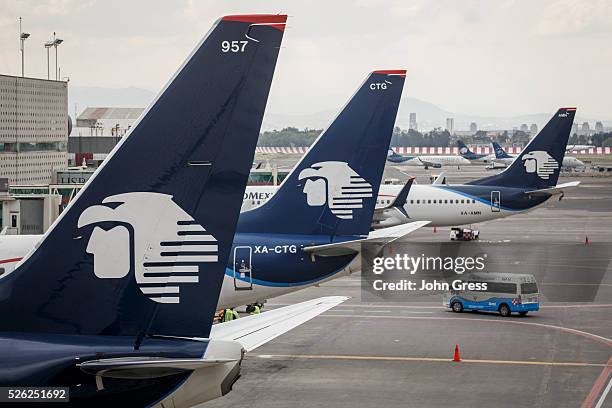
point(233, 46)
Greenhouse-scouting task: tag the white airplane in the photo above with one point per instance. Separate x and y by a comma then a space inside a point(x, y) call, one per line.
point(503, 159)
point(577, 148)
point(528, 182)
point(435, 161)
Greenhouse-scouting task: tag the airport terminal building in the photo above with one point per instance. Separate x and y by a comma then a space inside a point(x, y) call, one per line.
point(33, 129)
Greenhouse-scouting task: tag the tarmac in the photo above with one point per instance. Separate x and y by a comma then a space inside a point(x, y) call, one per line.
point(391, 354)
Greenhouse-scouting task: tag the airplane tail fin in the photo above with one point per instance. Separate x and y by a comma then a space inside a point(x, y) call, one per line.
point(142, 248)
point(333, 189)
point(500, 153)
point(463, 148)
point(539, 163)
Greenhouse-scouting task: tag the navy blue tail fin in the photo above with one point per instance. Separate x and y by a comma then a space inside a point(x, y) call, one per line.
point(539, 163)
point(500, 153)
point(463, 149)
point(333, 189)
point(142, 249)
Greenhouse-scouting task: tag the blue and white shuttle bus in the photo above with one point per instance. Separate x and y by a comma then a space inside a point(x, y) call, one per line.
point(505, 293)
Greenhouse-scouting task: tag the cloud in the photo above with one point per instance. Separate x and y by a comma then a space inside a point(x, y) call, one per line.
point(574, 17)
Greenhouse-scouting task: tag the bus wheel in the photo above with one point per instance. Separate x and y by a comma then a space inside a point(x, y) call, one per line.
point(522, 314)
point(504, 310)
point(457, 307)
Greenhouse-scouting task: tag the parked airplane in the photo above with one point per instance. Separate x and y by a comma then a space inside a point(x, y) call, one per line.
point(312, 228)
point(527, 183)
point(117, 299)
point(467, 154)
point(578, 148)
point(435, 161)
point(501, 157)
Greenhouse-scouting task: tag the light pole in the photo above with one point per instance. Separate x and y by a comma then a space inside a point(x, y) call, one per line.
point(22, 37)
point(48, 45)
point(56, 42)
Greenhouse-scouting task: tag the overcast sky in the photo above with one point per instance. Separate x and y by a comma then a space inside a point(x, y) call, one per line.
point(499, 58)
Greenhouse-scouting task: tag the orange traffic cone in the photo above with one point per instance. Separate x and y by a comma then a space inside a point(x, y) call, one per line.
point(457, 356)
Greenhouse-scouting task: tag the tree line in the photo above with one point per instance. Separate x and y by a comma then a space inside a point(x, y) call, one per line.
point(294, 137)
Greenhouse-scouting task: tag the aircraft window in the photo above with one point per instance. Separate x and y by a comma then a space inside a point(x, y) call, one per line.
point(418, 201)
point(428, 201)
point(473, 201)
point(2, 273)
point(445, 201)
point(462, 201)
point(258, 202)
point(411, 201)
point(434, 201)
point(456, 201)
point(388, 201)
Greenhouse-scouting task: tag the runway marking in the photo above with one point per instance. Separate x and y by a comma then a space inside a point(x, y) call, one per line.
point(411, 312)
point(575, 284)
point(597, 387)
point(442, 307)
point(431, 359)
point(595, 337)
point(603, 396)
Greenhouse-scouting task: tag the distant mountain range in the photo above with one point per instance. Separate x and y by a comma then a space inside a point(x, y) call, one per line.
point(428, 114)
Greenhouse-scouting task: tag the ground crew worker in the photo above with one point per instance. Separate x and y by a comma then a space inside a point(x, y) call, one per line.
point(255, 309)
point(228, 315)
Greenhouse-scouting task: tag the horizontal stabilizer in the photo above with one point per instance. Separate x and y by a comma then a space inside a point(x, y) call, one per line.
point(397, 203)
point(440, 179)
point(381, 236)
point(558, 189)
point(145, 367)
point(256, 330)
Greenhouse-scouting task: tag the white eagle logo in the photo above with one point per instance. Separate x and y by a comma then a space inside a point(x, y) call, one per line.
point(166, 243)
point(337, 185)
point(541, 162)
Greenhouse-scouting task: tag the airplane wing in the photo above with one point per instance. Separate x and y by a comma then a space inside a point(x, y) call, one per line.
point(558, 189)
point(381, 236)
point(256, 330)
